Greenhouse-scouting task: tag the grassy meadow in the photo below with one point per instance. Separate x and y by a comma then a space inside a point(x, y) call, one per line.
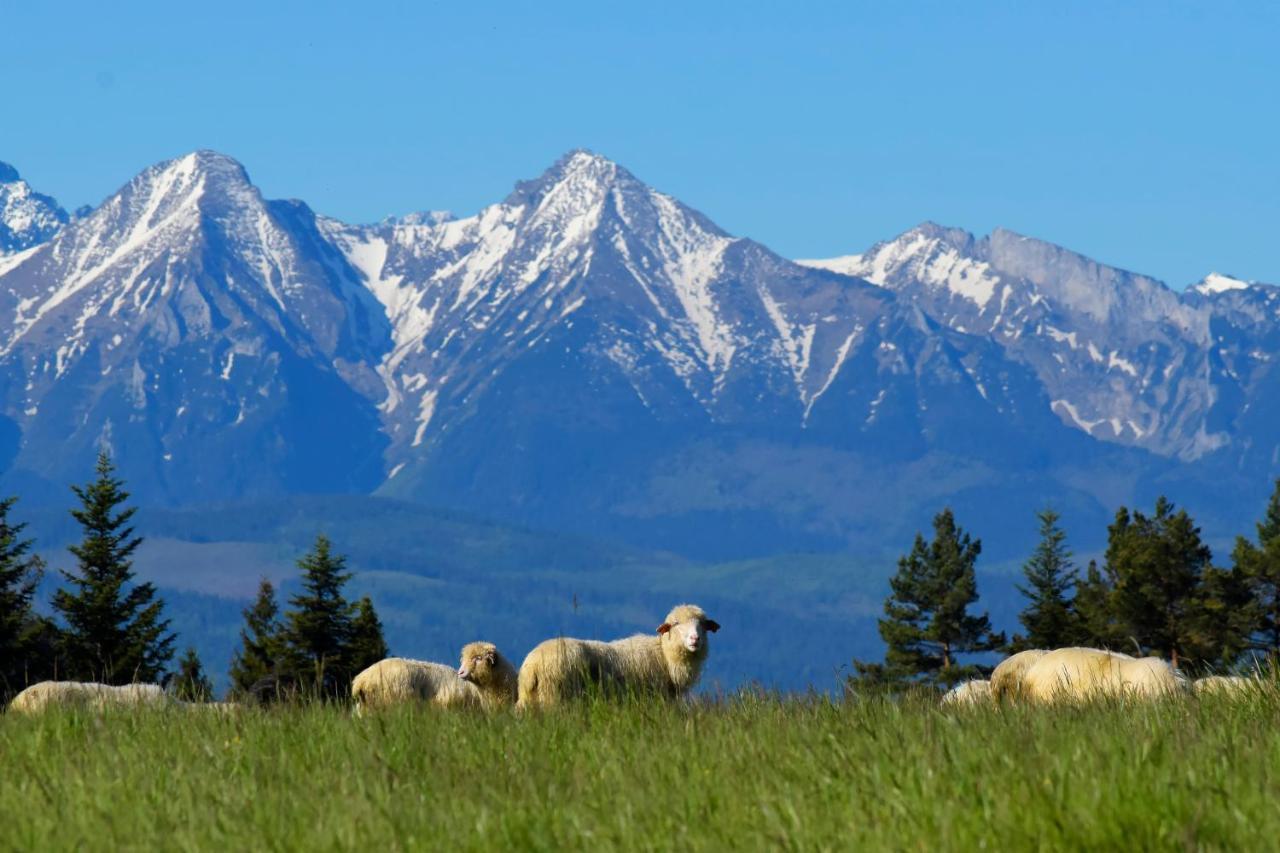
point(749, 772)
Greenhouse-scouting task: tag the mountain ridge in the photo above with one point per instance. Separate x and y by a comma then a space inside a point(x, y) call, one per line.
point(590, 354)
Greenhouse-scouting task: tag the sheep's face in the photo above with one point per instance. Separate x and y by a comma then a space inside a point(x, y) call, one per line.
point(687, 626)
point(479, 662)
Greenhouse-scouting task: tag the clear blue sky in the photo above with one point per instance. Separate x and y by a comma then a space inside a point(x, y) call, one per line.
point(1145, 135)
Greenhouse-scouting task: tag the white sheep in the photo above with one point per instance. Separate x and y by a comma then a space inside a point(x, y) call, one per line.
point(1006, 678)
point(88, 695)
point(1080, 674)
point(974, 692)
point(1224, 685)
point(484, 678)
point(667, 663)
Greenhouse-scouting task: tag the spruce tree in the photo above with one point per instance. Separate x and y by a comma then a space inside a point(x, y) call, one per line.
point(261, 644)
point(1159, 564)
point(928, 624)
point(192, 683)
point(1258, 568)
point(1092, 603)
point(368, 646)
point(114, 631)
point(23, 658)
point(318, 626)
point(1050, 619)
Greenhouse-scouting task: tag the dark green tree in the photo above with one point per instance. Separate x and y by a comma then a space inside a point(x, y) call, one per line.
point(1258, 568)
point(927, 624)
point(261, 644)
point(192, 685)
point(318, 627)
point(23, 657)
point(368, 646)
point(1050, 619)
point(114, 631)
point(1093, 606)
point(1159, 565)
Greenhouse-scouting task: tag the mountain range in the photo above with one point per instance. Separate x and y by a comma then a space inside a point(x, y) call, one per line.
point(590, 355)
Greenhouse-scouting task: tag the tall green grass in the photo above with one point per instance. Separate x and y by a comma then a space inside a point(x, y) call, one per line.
point(744, 773)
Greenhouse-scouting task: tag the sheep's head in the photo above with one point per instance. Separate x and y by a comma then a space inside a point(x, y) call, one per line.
point(687, 626)
point(479, 663)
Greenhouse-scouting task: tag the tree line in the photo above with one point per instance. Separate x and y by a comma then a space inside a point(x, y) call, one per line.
point(109, 628)
point(1157, 592)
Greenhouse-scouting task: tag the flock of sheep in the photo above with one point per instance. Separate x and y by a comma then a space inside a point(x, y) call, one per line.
point(1079, 674)
point(667, 663)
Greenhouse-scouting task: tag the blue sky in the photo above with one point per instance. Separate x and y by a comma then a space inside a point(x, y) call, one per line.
point(1145, 135)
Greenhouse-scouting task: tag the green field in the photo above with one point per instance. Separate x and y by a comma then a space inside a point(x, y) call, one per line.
point(741, 773)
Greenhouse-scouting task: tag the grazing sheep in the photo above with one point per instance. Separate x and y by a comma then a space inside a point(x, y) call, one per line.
point(1006, 678)
point(1078, 674)
point(667, 663)
point(492, 674)
point(87, 695)
point(484, 678)
point(975, 692)
point(1224, 685)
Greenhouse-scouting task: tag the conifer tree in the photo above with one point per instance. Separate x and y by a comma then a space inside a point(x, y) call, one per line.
point(1098, 625)
point(1258, 568)
point(318, 626)
point(1050, 619)
point(23, 658)
point(368, 646)
point(1159, 565)
point(927, 624)
point(192, 683)
point(114, 631)
point(261, 644)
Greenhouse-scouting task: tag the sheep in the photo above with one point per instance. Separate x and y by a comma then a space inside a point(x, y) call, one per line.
point(1079, 674)
point(87, 695)
point(668, 663)
point(1006, 678)
point(1224, 685)
point(492, 674)
point(974, 692)
point(484, 679)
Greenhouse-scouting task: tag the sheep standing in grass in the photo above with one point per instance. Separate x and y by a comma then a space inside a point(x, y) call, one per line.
point(1078, 674)
point(88, 695)
point(492, 674)
point(1224, 685)
point(1006, 678)
point(975, 692)
point(667, 663)
point(484, 678)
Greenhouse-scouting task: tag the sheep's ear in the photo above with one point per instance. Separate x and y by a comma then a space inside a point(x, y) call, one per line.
point(491, 658)
point(712, 625)
point(664, 627)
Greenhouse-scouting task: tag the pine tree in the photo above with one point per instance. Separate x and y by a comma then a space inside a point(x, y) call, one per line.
point(1258, 568)
point(1098, 625)
point(367, 643)
point(928, 624)
point(318, 627)
point(1050, 619)
point(114, 630)
point(21, 660)
point(192, 683)
point(1159, 564)
point(261, 644)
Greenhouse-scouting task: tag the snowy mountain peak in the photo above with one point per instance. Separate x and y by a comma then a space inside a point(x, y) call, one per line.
point(27, 218)
point(1216, 282)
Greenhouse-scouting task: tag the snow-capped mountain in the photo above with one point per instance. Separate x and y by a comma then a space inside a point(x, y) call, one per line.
point(210, 337)
point(27, 218)
point(591, 354)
